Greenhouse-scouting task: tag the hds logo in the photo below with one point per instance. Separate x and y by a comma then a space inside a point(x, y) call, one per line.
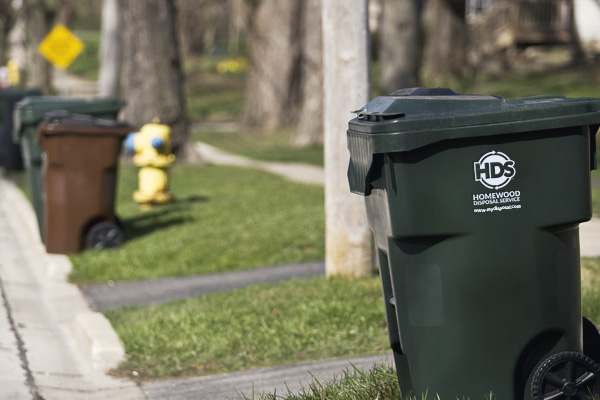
point(494, 170)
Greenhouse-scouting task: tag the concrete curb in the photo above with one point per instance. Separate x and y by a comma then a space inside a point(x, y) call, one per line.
point(66, 347)
point(93, 333)
point(97, 340)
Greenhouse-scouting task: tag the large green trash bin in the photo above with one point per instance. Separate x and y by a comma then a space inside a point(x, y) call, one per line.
point(30, 111)
point(10, 153)
point(475, 203)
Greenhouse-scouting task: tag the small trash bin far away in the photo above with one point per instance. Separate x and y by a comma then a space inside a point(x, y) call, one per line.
point(79, 181)
point(10, 152)
point(29, 112)
point(475, 202)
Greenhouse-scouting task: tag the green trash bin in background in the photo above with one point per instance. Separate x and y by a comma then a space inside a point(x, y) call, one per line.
point(10, 152)
point(30, 111)
point(475, 203)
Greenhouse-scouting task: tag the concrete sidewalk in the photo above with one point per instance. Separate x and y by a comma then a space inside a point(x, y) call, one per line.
point(296, 172)
point(293, 378)
point(157, 291)
point(589, 238)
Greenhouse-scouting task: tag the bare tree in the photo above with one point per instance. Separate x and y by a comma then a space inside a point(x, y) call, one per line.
point(401, 40)
point(445, 51)
point(273, 50)
point(8, 18)
point(349, 248)
point(110, 50)
point(38, 19)
point(284, 85)
point(202, 24)
point(309, 128)
point(151, 78)
point(577, 51)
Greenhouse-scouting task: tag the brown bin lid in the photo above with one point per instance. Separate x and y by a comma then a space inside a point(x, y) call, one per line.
point(67, 123)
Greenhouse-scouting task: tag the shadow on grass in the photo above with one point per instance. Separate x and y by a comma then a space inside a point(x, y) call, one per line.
point(160, 216)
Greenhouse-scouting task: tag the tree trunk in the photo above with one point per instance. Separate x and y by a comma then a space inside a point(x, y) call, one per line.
point(401, 40)
point(37, 23)
point(309, 130)
point(110, 50)
point(7, 21)
point(445, 51)
point(236, 10)
point(151, 78)
point(577, 51)
point(272, 32)
point(349, 248)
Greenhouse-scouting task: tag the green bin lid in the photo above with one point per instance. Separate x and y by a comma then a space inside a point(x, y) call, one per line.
point(31, 110)
point(17, 93)
point(406, 122)
point(412, 118)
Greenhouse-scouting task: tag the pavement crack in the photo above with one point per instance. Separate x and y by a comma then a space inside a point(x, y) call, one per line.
point(29, 379)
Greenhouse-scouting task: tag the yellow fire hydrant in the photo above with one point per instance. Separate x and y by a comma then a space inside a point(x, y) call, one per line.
point(152, 148)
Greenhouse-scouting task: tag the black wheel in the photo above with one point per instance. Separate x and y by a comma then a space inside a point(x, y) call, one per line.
point(104, 235)
point(567, 375)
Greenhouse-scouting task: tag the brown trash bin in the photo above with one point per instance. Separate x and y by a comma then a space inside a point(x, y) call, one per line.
point(79, 181)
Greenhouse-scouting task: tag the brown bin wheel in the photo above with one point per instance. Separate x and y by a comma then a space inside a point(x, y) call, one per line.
point(104, 235)
point(566, 375)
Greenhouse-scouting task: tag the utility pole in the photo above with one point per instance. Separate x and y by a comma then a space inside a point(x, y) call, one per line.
point(349, 247)
point(110, 50)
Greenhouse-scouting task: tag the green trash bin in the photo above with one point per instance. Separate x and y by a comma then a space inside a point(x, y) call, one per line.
point(475, 203)
point(30, 111)
point(10, 153)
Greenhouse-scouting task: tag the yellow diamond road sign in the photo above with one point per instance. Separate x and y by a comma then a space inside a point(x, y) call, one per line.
point(60, 47)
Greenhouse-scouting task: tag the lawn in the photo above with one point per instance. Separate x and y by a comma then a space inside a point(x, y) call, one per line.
point(212, 96)
point(223, 219)
point(257, 326)
point(590, 288)
point(569, 81)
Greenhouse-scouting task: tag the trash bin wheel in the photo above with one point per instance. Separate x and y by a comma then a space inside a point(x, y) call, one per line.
point(566, 375)
point(104, 235)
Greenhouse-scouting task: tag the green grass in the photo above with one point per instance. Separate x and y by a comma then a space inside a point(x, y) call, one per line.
point(581, 81)
point(379, 383)
point(213, 97)
point(273, 146)
point(88, 61)
point(257, 326)
point(224, 219)
point(590, 289)
point(596, 200)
